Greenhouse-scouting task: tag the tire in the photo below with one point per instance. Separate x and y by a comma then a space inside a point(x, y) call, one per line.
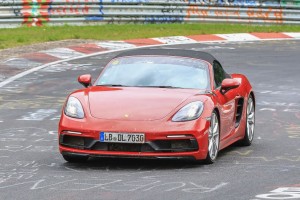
point(213, 139)
point(250, 123)
point(75, 158)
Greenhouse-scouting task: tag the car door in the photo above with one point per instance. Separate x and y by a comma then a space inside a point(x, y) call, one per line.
point(226, 102)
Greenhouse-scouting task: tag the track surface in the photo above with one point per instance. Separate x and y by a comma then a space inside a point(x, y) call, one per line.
point(32, 168)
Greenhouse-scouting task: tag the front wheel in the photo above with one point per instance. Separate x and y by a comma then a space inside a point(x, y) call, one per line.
point(213, 139)
point(250, 123)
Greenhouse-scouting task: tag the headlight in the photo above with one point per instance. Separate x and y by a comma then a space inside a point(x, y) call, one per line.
point(74, 108)
point(189, 112)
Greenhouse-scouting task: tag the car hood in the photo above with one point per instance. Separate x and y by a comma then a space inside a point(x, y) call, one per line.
point(137, 104)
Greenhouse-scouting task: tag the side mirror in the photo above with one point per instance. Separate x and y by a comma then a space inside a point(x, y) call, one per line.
point(85, 80)
point(229, 84)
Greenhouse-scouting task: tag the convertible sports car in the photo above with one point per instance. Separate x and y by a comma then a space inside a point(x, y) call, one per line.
point(158, 103)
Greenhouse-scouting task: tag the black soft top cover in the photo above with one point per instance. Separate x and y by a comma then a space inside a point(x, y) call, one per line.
point(170, 52)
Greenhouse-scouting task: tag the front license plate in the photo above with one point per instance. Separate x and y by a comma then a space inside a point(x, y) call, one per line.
point(122, 137)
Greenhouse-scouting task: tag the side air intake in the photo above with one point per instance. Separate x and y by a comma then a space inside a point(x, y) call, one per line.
point(239, 111)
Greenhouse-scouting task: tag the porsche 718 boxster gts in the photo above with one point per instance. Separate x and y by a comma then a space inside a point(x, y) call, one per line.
point(158, 103)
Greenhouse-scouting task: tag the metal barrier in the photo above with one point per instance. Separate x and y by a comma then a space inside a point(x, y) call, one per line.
point(14, 13)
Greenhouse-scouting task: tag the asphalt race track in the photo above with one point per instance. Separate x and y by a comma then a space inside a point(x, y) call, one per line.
point(32, 168)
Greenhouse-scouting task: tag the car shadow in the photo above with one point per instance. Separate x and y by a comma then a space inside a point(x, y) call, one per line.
point(135, 163)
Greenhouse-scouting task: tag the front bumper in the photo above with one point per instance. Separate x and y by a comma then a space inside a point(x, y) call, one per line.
point(158, 144)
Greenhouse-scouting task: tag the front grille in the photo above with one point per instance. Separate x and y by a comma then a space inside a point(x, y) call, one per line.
point(178, 145)
point(100, 146)
point(124, 147)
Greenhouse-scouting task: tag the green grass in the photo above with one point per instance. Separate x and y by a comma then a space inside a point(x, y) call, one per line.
point(31, 35)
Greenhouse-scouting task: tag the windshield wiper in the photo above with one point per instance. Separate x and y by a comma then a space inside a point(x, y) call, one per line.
point(113, 85)
point(160, 86)
point(151, 86)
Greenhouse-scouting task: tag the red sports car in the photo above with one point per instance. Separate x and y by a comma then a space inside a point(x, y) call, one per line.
point(158, 103)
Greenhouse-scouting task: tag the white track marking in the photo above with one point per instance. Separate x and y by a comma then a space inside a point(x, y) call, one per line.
point(113, 45)
point(282, 193)
point(175, 40)
point(238, 37)
point(63, 53)
point(22, 74)
point(293, 35)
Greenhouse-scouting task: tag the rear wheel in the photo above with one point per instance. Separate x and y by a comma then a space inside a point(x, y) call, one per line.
point(75, 158)
point(250, 123)
point(213, 139)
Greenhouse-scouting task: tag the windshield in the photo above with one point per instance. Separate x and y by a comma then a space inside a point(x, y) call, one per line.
point(156, 71)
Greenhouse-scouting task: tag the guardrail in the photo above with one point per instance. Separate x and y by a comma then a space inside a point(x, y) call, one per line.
point(14, 13)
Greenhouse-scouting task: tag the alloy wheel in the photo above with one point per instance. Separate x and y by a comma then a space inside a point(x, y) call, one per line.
point(250, 119)
point(213, 137)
